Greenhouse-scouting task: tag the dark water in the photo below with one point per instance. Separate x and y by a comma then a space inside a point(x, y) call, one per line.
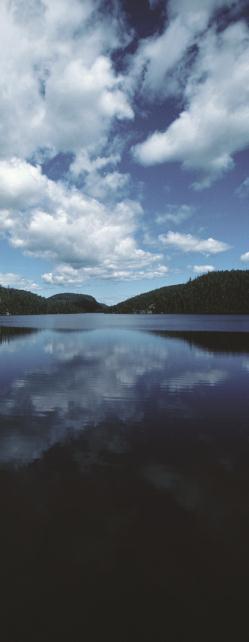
point(124, 479)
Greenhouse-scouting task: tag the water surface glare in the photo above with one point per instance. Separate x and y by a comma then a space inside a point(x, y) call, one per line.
point(124, 478)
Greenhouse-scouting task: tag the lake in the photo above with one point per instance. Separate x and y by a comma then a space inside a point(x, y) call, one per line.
point(124, 478)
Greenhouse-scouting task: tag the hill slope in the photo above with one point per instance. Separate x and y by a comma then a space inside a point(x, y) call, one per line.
point(213, 293)
point(73, 303)
point(14, 301)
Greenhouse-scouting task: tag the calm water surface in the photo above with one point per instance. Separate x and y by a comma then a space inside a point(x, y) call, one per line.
point(124, 478)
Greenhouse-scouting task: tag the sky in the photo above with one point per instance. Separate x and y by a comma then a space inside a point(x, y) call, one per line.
point(124, 143)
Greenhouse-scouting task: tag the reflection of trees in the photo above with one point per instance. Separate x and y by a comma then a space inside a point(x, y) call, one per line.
point(223, 342)
point(69, 382)
point(7, 334)
point(87, 379)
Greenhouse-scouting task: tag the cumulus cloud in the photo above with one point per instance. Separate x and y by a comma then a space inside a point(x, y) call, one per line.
point(61, 93)
point(21, 184)
point(10, 279)
point(85, 163)
point(100, 176)
point(245, 257)
point(189, 243)
point(201, 269)
point(66, 275)
point(108, 185)
point(214, 124)
point(79, 233)
point(58, 87)
point(158, 55)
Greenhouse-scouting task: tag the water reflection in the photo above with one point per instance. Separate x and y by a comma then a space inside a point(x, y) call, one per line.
point(8, 334)
point(190, 379)
point(221, 342)
point(124, 486)
point(153, 322)
point(56, 384)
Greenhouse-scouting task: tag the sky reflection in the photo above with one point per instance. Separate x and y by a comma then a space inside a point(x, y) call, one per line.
point(56, 384)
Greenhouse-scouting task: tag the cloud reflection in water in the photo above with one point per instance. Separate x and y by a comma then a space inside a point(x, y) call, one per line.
point(66, 382)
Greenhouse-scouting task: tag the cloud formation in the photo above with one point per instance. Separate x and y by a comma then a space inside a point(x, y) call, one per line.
point(60, 93)
point(189, 243)
point(175, 214)
point(158, 55)
point(10, 279)
point(58, 87)
point(214, 123)
point(245, 257)
point(201, 269)
point(79, 233)
point(72, 104)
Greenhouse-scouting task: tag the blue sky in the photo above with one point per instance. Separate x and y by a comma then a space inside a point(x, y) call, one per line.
point(124, 131)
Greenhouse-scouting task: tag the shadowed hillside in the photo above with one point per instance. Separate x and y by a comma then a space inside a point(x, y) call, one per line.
point(73, 303)
point(14, 301)
point(214, 293)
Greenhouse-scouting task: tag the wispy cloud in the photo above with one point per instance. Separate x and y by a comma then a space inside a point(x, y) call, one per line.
point(214, 124)
point(201, 269)
point(245, 257)
point(175, 214)
point(243, 190)
point(189, 243)
point(10, 279)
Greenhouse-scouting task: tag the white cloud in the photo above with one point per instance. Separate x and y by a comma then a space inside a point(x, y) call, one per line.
point(60, 92)
point(58, 87)
point(21, 184)
point(245, 257)
point(175, 214)
point(10, 279)
point(189, 243)
point(99, 175)
point(84, 163)
point(158, 55)
point(108, 185)
point(65, 275)
point(77, 232)
point(215, 122)
point(201, 269)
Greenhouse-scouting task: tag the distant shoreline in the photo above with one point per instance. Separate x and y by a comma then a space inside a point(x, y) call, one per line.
point(223, 292)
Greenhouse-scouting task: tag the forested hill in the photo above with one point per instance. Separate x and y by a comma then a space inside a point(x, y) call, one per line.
point(213, 293)
point(73, 303)
point(14, 301)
